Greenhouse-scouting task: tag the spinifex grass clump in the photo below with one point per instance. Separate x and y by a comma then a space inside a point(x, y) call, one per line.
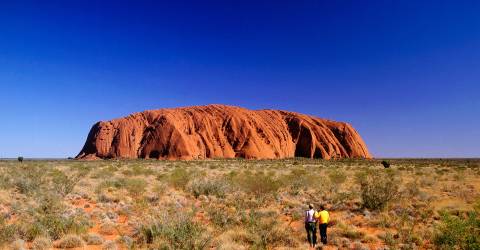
point(49, 219)
point(265, 232)
point(299, 179)
point(62, 183)
point(135, 186)
point(70, 241)
point(179, 177)
point(260, 185)
point(174, 231)
point(27, 179)
point(137, 170)
point(203, 186)
point(7, 231)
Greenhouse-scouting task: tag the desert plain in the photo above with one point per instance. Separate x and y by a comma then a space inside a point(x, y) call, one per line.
point(238, 204)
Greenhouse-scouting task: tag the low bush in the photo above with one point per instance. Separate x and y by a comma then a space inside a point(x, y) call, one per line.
point(108, 228)
point(109, 245)
point(135, 187)
point(298, 179)
point(349, 232)
point(70, 241)
point(7, 231)
point(49, 218)
point(458, 233)
point(377, 189)
point(222, 217)
point(337, 177)
point(41, 243)
point(62, 183)
point(388, 238)
point(217, 187)
point(93, 239)
point(137, 170)
point(179, 178)
point(265, 232)
point(258, 184)
point(28, 179)
point(105, 172)
point(56, 226)
point(174, 231)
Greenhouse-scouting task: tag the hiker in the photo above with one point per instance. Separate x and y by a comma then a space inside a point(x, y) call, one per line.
point(310, 226)
point(323, 217)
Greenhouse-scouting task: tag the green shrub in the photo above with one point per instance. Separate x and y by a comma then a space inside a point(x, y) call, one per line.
point(56, 226)
point(28, 179)
point(265, 232)
point(105, 172)
point(350, 233)
point(258, 184)
point(136, 170)
point(175, 231)
point(457, 232)
point(113, 183)
point(7, 231)
point(49, 219)
point(221, 217)
point(62, 183)
point(136, 187)
point(377, 189)
point(216, 187)
point(179, 178)
point(337, 177)
point(388, 238)
point(5, 182)
point(298, 179)
point(411, 189)
point(81, 168)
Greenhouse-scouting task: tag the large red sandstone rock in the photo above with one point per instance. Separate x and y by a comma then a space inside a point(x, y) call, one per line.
point(219, 131)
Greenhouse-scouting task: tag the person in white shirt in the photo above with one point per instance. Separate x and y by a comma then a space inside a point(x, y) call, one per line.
point(310, 226)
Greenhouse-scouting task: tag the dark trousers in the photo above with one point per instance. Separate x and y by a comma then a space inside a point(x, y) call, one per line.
point(311, 233)
point(323, 232)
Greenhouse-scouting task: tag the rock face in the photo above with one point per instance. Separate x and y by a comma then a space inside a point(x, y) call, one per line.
point(219, 131)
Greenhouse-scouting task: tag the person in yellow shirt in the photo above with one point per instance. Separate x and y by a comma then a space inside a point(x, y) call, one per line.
point(323, 218)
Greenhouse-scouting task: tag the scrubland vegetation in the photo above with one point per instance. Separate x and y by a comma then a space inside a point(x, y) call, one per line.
point(238, 204)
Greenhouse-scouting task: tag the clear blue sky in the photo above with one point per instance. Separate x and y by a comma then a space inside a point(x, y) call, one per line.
point(406, 74)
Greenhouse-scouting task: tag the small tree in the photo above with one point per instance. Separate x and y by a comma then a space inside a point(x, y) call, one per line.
point(386, 164)
point(20, 158)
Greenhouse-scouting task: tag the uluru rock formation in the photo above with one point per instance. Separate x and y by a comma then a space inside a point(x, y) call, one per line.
point(220, 131)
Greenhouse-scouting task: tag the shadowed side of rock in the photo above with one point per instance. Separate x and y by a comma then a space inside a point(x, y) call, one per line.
point(219, 131)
